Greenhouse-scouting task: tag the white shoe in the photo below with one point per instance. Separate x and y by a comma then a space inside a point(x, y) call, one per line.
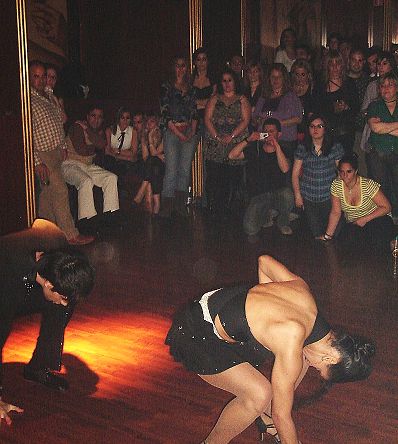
point(286, 230)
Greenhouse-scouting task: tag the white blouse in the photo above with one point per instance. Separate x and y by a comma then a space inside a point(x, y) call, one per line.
point(116, 138)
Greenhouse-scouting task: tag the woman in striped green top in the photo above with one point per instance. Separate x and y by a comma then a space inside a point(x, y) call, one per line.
point(366, 209)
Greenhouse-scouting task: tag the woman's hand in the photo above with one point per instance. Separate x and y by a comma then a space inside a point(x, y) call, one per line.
point(360, 222)
point(226, 139)
point(5, 409)
point(299, 202)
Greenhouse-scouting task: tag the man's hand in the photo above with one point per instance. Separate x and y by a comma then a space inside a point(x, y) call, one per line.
point(42, 172)
point(82, 124)
point(5, 409)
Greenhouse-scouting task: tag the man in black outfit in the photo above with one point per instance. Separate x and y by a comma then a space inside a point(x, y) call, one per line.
point(267, 168)
point(40, 275)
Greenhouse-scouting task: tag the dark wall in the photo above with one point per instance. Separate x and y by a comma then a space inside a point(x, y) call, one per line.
point(13, 216)
point(127, 47)
point(350, 18)
point(221, 30)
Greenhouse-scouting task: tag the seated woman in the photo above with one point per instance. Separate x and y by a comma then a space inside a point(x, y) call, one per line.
point(121, 145)
point(153, 155)
point(365, 207)
point(229, 332)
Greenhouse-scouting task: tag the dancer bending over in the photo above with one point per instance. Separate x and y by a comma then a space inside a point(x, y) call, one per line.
point(229, 332)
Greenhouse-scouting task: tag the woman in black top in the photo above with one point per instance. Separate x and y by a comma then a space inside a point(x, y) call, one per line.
point(338, 102)
point(226, 335)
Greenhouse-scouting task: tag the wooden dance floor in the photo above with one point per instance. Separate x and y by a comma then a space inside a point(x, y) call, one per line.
point(124, 386)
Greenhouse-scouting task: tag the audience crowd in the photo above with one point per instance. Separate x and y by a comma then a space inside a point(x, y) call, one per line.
point(301, 135)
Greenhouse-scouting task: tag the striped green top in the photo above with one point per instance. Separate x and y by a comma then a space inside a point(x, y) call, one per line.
point(368, 188)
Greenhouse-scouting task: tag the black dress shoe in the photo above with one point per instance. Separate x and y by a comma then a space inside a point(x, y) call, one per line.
point(46, 377)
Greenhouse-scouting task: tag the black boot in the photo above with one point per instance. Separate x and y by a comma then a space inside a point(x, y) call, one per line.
point(180, 207)
point(88, 226)
point(166, 207)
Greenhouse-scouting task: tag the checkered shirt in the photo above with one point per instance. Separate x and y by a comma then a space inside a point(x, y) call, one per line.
point(48, 129)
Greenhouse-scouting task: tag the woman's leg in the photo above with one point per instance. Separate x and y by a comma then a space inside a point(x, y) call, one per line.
point(141, 192)
point(156, 203)
point(253, 396)
point(172, 148)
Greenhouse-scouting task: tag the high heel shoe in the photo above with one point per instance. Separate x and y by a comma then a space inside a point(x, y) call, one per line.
point(262, 428)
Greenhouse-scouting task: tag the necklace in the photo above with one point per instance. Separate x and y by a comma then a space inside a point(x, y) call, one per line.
point(390, 101)
point(350, 189)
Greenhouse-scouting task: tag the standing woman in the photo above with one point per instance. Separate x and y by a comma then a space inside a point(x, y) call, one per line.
point(227, 117)
point(338, 101)
point(226, 335)
point(280, 102)
point(286, 53)
point(202, 84)
point(253, 82)
point(52, 77)
point(314, 170)
point(179, 118)
point(302, 85)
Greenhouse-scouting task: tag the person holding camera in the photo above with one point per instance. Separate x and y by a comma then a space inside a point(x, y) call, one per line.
point(267, 170)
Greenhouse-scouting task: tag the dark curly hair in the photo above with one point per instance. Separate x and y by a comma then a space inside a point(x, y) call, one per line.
point(355, 364)
point(68, 270)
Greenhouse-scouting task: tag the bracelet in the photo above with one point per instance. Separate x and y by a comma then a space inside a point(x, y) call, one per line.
point(327, 237)
point(233, 136)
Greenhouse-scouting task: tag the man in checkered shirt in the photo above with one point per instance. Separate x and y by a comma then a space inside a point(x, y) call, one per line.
point(49, 152)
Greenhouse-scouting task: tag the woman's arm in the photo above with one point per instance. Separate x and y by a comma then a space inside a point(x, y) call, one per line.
point(298, 198)
point(383, 208)
point(270, 270)
point(379, 127)
point(209, 110)
point(287, 369)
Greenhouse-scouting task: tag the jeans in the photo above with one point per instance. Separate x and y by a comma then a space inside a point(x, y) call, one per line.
point(384, 170)
point(317, 215)
point(178, 160)
point(256, 214)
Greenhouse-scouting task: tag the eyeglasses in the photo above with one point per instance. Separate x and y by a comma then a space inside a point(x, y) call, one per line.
point(181, 65)
point(319, 126)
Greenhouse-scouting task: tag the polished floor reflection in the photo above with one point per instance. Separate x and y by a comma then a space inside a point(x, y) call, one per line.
point(124, 386)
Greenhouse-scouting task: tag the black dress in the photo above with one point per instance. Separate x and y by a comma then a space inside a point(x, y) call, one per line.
point(193, 342)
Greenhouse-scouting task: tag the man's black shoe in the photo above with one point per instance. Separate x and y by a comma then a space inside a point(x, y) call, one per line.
point(46, 377)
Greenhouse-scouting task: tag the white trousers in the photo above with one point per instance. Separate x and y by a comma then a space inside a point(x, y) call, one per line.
point(84, 177)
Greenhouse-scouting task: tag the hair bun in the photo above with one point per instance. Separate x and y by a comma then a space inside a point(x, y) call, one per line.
point(363, 349)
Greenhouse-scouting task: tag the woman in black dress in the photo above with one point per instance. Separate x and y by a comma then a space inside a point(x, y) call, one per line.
point(229, 332)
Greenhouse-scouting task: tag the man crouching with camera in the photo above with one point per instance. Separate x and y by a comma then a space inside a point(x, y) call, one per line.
point(267, 180)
